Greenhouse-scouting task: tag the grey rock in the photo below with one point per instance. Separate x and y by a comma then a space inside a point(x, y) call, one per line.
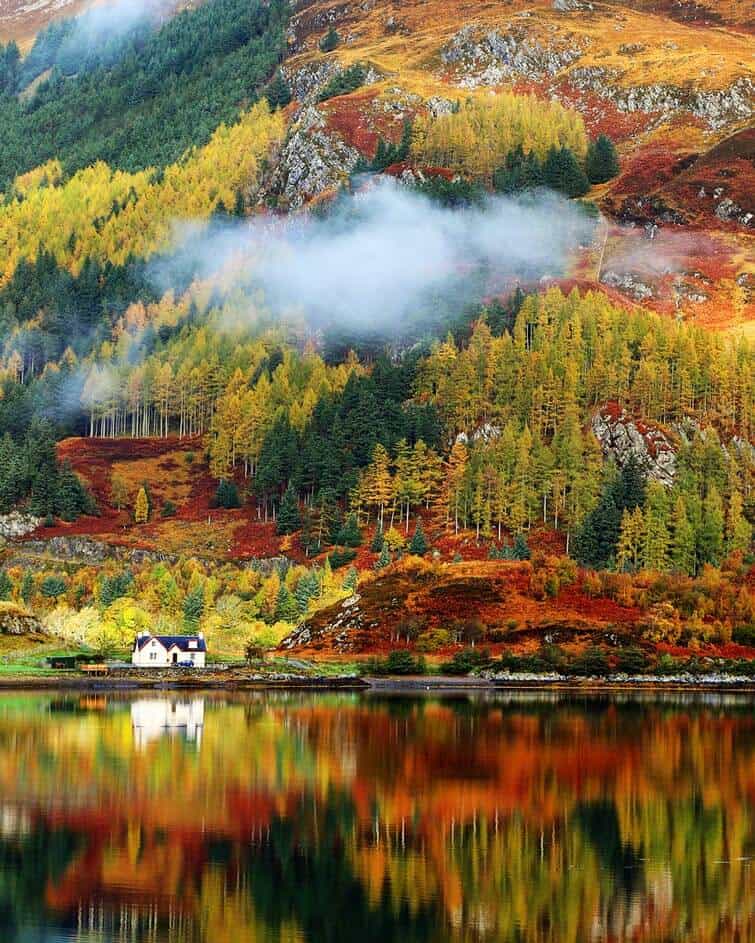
point(487, 57)
point(312, 161)
point(629, 284)
point(16, 524)
point(622, 439)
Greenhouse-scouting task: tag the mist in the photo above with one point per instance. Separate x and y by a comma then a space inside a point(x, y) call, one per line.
point(377, 259)
point(102, 29)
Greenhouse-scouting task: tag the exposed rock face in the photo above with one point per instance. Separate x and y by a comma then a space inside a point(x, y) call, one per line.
point(36, 554)
point(571, 6)
point(730, 212)
point(307, 82)
point(628, 284)
point(16, 621)
point(487, 57)
point(313, 160)
point(623, 438)
point(17, 524)
point(342, 633)
point(716, 107)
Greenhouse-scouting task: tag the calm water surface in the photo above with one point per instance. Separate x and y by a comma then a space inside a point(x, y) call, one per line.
point(278, 818)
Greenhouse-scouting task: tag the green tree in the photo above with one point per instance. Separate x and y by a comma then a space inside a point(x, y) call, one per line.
point(682, 539)
point(193, 608)
point(710, 540)
point(289, 518)
point(350, 535)
point(602, 161)
point(227, 494)
point(330, 40)
point(418, 544)
point(286, 607)
point(563, 173)
point(6, 585)
point(656, 541)
point(278, 92)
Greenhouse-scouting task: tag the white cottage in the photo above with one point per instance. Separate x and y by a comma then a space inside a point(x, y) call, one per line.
point(162, 651)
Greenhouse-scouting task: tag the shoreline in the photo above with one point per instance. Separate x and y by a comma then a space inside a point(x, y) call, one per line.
point(383, 685)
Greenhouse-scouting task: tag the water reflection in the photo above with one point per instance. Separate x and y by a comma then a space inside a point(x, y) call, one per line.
point(152, 718)
point(535, 819)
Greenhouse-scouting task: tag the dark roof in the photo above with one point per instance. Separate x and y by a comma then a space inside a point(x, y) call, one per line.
point(181, 641)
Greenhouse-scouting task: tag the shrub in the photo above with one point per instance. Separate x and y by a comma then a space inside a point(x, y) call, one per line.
point(168, 509)
point(592, 661)
point(398, 662)
point(344, 82)
point(433, 640)
point(632, 660)
point(744, 635)
point(466, 661)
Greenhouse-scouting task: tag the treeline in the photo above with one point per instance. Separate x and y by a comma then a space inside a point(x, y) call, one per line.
point(101, 215)
point(30, 475)
point(476, 137)
point(161, 97)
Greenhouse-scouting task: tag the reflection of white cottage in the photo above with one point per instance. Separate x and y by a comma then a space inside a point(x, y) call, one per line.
point(160, 651)
point(154, 718)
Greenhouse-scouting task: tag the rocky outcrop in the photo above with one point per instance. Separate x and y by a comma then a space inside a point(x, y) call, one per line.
point(623, 438)
point(716, 107)
point(17, 621)
point(628, 283)
point(488, 57)
point(313, 160)
point(307, 82)
point(342, 633)
point(16, 524)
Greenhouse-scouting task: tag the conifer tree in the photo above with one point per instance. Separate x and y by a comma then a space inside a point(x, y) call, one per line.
point(289, 518)
point(193, 608)
point(656, 541)
point(711, 536)
point(418, 544)
point(278, 92)
point(350, 535)
point(738, 528)
point(682, 539)
point(286, 609)
point(384, 559)
point(378, 540)
point(602, 161)
point(6, 585)
point(562, 172)
point(330, 40)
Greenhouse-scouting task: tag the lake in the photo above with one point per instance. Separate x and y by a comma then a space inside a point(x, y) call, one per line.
point(295, 818)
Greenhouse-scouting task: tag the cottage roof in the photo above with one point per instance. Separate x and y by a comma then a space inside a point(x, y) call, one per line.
point(181, 642)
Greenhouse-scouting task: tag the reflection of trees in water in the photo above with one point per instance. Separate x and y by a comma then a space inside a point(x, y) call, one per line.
point(27, 866)
point(536, 822)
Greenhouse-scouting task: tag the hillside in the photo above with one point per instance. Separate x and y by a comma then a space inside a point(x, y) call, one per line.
point(294, 297)
point(667, 86)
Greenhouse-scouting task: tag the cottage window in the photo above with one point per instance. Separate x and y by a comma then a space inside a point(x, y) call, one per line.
point(192, 644)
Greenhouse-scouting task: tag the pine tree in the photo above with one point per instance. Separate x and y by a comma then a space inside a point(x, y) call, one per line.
point(350, 535)
point(227, 494)
point(141, 509)
point(418, 544)
point(27, 586)
point(682, 539)
point(286, 608)
point(656, 541)
point(278, 92)
point(6, 585)
point(330, 40)
point(710, 539)
point(562, 172)
point(378, 540)
point(384, 559)
point(289, 518)
point(193, 608)
point(602, 161)
point(738, 528)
